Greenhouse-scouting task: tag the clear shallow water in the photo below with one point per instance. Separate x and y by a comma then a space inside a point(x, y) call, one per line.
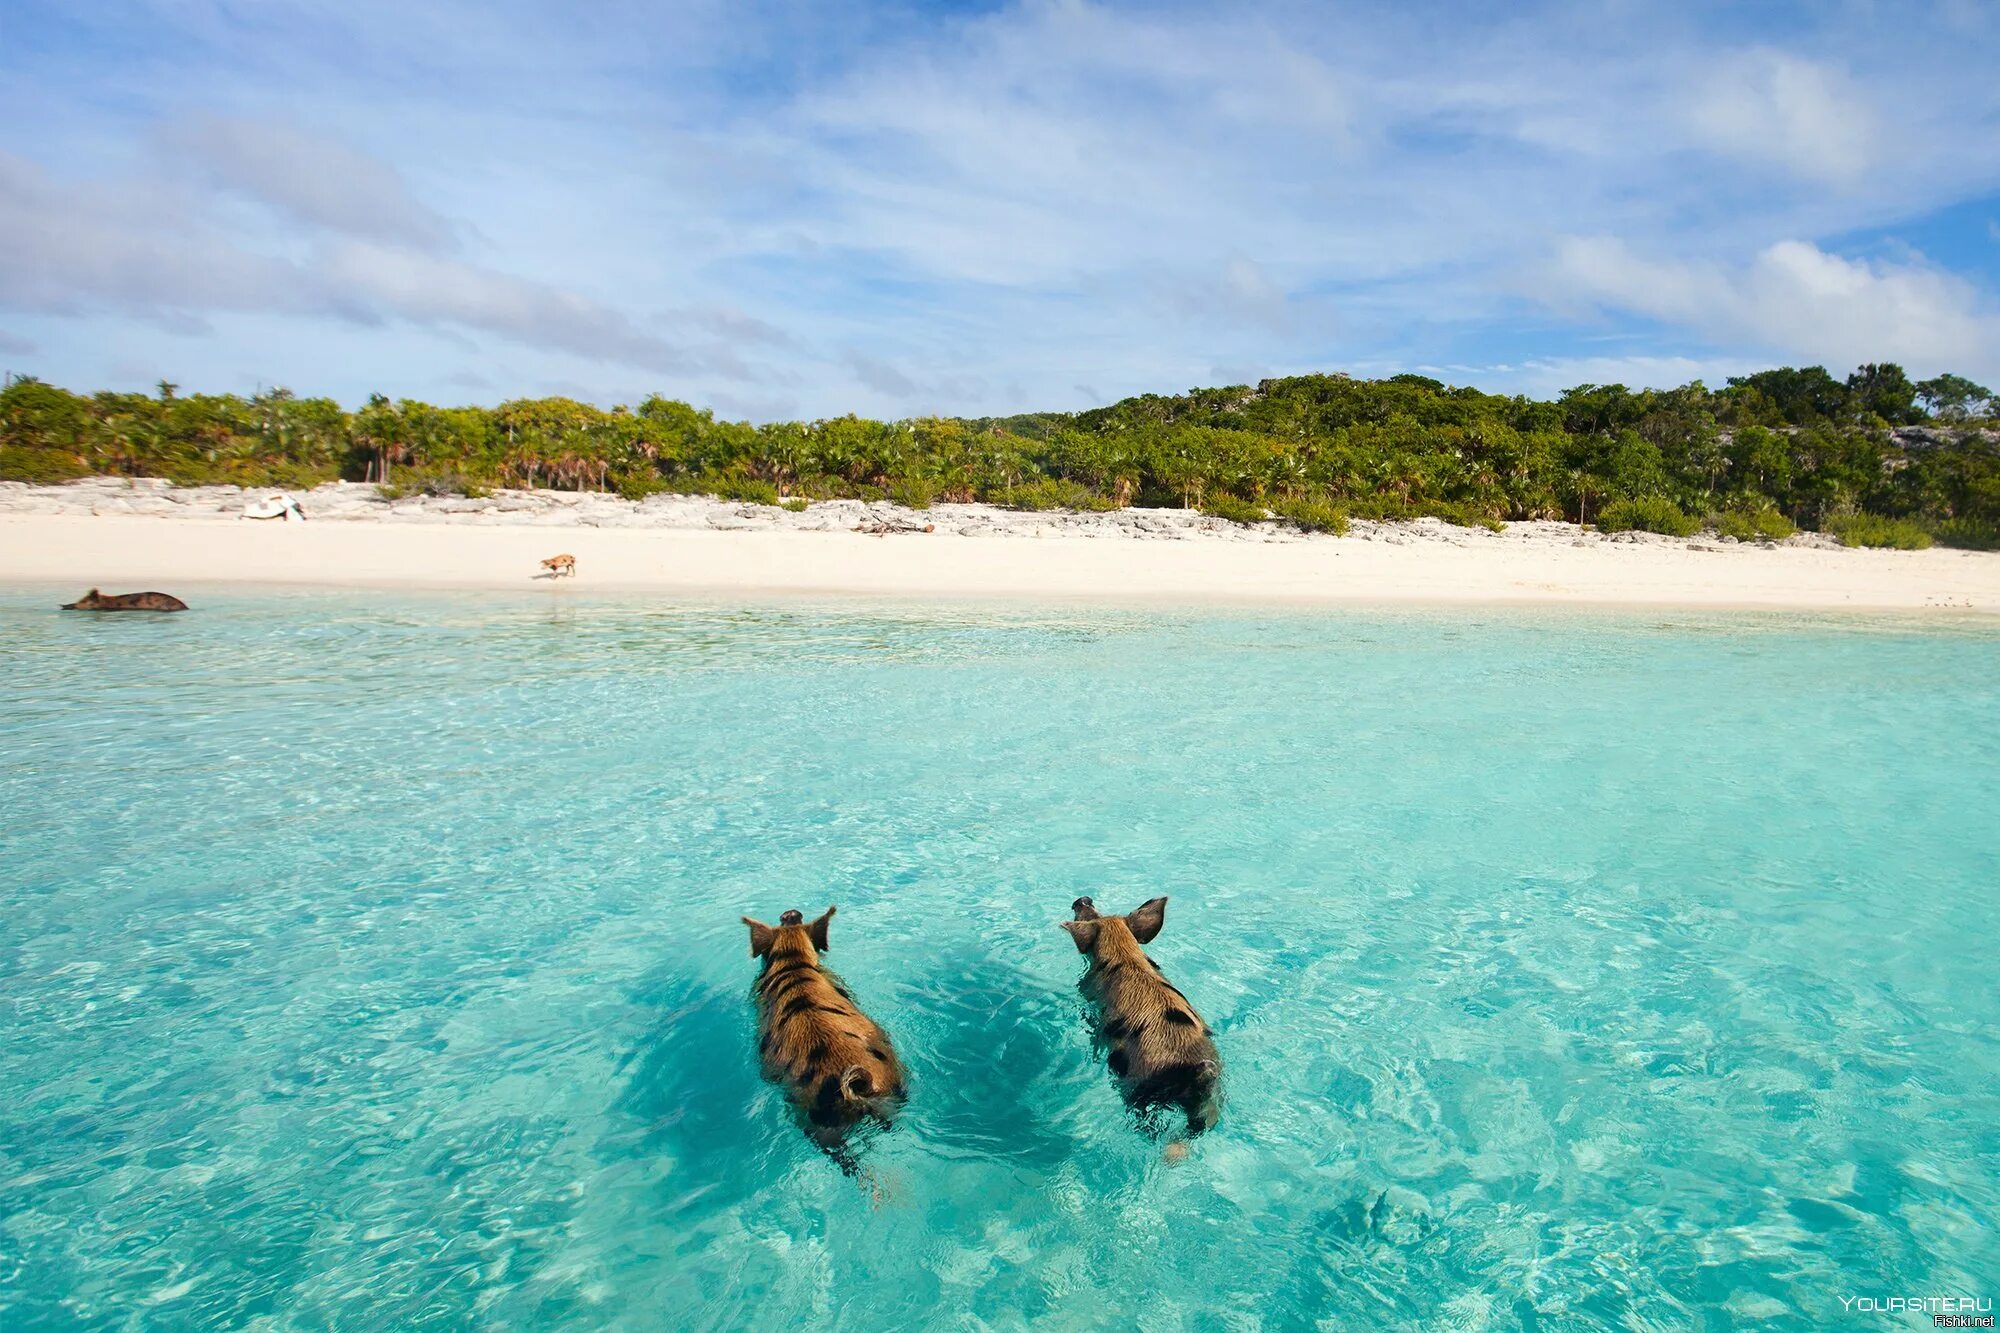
point(376, 963)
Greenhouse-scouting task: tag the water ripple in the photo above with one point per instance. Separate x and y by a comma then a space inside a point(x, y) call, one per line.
point(375, 962)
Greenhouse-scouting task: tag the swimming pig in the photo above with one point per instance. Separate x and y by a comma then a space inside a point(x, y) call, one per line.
point(1160, 1048)
point(832, 1061)
point(126, 601)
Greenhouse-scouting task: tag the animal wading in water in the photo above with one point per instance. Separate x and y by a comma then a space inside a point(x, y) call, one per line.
point(126, 601)
point(558, 565)
point(833, 1062)
point(1159, 1047)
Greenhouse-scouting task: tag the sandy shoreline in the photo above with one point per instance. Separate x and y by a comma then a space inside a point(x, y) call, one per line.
point(125, 539)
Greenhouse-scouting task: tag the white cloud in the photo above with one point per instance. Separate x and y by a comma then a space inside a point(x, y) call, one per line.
point(903, 211)
point(71, 248)
point(149, 248)
point(1809, 118)
point(427, 290)
point(1798, 302)
point(312, 178)
point(1057, 140)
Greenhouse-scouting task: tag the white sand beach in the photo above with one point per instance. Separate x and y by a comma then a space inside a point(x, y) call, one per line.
point(129, 536)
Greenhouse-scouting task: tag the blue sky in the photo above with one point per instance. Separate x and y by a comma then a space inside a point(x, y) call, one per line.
point(794, 210)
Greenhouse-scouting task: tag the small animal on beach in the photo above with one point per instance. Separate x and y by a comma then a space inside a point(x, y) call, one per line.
point(833, 1062)
point(1159, 1048)
point(125, 601)
point(558, 565)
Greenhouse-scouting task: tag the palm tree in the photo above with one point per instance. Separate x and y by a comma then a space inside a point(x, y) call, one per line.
point(375, 429)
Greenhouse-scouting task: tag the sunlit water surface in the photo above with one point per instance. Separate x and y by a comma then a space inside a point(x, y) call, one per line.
point(372, 963)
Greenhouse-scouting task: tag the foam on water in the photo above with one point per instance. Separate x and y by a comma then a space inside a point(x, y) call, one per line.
point(376, 963)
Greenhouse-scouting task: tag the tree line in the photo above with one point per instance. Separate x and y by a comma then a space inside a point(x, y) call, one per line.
point(1875, 456)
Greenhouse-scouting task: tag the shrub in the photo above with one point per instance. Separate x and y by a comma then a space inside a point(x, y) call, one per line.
point(1313, 516)
point(1228, 506)
point(40, 466)
point(1464, 515)
point(1380, 508)
point(913, 492)
point(796, 505)
point(1969, 534)
point(301, 477)
point(1648, 515)
point(811, 489)
point(1750, 525)
point(639, 485)
point(748, 490)
point(1053, 493)
point(1872, 530)
point(435, 485)
point(441, 484)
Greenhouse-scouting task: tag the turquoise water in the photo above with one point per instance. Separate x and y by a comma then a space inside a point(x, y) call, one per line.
point(375, 963)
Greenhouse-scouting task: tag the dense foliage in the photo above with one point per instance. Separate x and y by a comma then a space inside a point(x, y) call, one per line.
point(1768, 451)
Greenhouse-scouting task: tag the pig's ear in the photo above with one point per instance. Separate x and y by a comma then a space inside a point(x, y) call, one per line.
point(1084, 933)
point(761, 937)
point(817, 930)
point(1146, 919)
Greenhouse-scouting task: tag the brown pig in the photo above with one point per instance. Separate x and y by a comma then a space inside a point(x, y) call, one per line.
point(126, 601)
point(1160, 1049)
point(833, 1062)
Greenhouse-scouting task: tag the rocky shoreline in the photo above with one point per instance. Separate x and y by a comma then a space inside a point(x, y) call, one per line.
point(338, 502)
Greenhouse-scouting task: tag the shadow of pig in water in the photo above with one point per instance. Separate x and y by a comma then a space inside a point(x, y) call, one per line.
point(991, 1064)
point(692, 1096)
point(995, 1066)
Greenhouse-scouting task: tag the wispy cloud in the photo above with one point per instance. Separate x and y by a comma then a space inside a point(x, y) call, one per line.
point(1795, 297)
point(312, 179)
point(1806, 117)
point(152, 249)
point(786, 206)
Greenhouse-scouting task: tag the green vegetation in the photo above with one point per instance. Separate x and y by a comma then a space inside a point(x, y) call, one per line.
point(1954, 398)
point(1313, 516)
point(750, 490)
point(1781, 447)
point(1874, 530)
point(1051, 493)
point(1222, 504)
point(1750, 525)
point(1651, 514)
point(1968, 534)
point(912, 492)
